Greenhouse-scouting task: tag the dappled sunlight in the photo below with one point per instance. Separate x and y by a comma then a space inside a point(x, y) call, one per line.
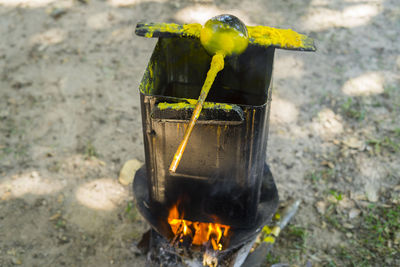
point(126, 3)
point(202, 13)
point(283, 111)
point(101, 194)
point(104, 20)
point(197, 14)
point(287, 62)
point(327, 123)
point(121, 34)
point(27, 3)
point(49, 37)
point(322, 18)
point(99, 21)
point(28, 183)
point(363, 1)
point(367, 84)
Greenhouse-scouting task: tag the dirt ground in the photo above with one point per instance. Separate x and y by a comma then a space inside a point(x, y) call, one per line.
point(70, 118)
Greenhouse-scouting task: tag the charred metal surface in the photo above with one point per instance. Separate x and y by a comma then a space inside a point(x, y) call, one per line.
point(221, 171)
point(156, 215)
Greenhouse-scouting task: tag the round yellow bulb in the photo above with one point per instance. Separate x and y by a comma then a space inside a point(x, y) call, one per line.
point(224, 34)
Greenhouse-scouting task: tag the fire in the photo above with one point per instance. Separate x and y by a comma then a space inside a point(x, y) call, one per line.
point(199, 232)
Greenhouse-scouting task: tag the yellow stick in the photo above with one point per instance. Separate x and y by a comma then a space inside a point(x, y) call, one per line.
point(217, 64)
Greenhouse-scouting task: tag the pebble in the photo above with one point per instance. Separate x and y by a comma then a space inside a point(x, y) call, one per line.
point(353, 213)
point(354, 143)
point(55, 217)
point(372, 192)
point(346, 203)
point(321, 207)
point(128, 171)
point(16, 261)
point(56, 13)
point(348, 226)
point(397, 238)
point(328, 164)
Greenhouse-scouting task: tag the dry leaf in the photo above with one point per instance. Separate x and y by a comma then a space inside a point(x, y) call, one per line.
point(128, 171)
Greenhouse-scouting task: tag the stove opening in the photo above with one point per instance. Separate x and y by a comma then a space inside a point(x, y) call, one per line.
point(205, 234)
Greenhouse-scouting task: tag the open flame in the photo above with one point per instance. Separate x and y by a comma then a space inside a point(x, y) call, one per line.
point(200, 233)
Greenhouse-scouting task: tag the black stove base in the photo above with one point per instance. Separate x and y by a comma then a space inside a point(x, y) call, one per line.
point(161, 253)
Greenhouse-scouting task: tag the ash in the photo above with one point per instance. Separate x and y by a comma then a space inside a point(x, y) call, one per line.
point(160, 253)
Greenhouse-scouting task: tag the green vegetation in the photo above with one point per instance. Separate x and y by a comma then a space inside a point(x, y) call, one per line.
point(387, 143)
point(16, 144)
point(272, 259)
point(130, 211)
point(374, 240)
point(353, 110)
point(298, 235)
point(90, 151)
point(321, 175)
point(61, 223)
point(338, 196)
point(294, 239)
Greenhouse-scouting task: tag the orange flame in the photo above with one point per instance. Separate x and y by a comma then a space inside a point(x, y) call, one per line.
point(199, 232)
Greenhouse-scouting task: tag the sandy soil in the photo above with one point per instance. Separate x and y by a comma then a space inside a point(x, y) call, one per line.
point(70, 117)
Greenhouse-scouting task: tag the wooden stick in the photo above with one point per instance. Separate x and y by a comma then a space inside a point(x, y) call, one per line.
point(217, 64)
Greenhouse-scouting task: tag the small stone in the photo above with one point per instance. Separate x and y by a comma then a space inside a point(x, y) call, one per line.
point(353, 213)
point(357, 196)
point(328, 164)
point(348, 226)
point(349, 235)
point(354, 143)
point(128, 171)
point(299, 154)
point(336, 142)
point(12, 252)
point(63, 239)
point(332, 199)
point(348, 179)
point(16, 261)
point(35, 175)
point(346, 203)
point(372, 192)
point(321, 207)
point(56, 13)
point(397, 238)
point(345, 152)
point(55, 217)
